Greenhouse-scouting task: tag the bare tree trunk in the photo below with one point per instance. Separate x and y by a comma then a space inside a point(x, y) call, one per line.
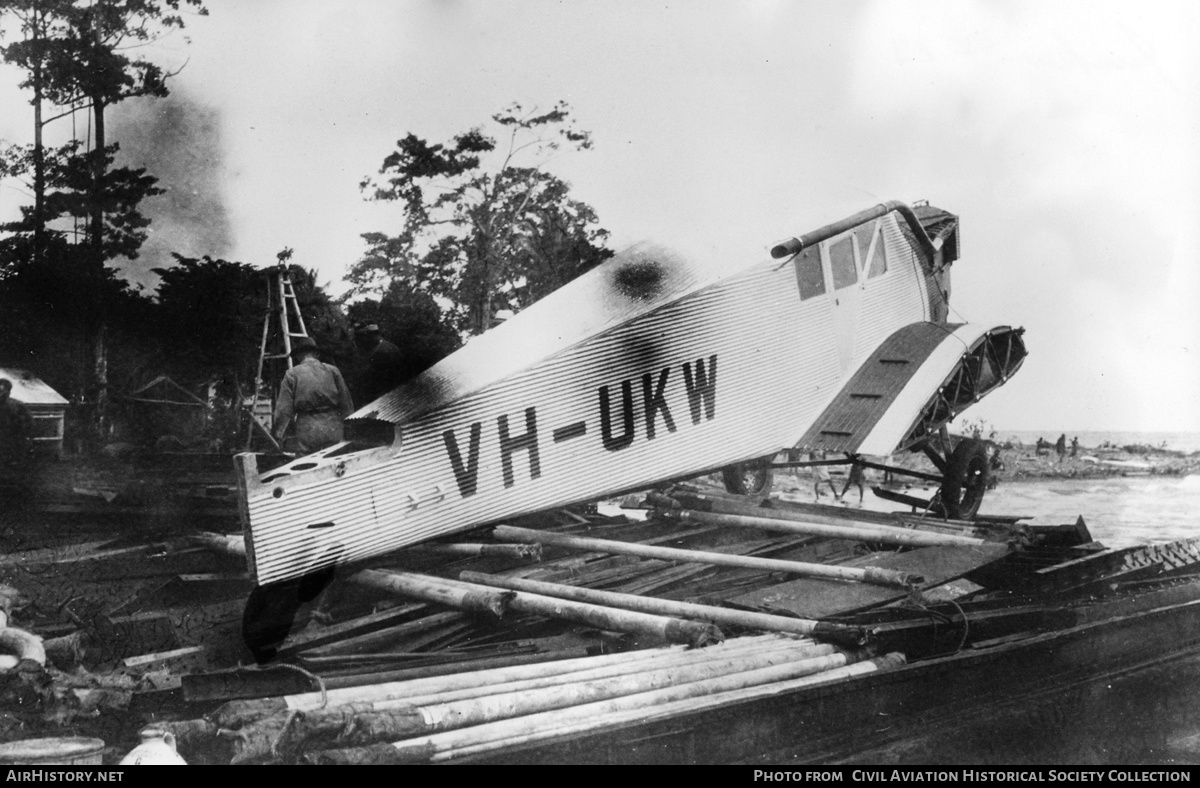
point(39, 157)
point(96, 248)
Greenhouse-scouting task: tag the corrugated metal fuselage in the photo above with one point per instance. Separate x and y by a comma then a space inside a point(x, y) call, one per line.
point(717, 374)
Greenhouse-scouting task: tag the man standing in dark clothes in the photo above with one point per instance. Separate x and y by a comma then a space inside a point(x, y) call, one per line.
point(383, 369)
point(315, 396)
point(1060, 447)
point(16, 425)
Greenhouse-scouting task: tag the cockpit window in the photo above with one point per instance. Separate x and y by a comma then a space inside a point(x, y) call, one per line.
point(842, 263)
point(878, 262)
point(808, 273)
point(874, 262)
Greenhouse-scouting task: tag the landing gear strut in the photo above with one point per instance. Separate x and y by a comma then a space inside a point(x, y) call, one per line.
point(270, 612)
point(964, 478)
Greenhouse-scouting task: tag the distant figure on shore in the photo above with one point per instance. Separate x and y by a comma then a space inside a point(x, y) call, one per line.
point(855, 477)
point(1043, 446)
point(821, 475)
point(1060, 447)
point(1075, 446)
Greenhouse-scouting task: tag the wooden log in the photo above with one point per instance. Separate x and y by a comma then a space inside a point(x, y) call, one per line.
point(412, 718)
point(780, 650)
point(673, 709)
point(670, 607)
point(478, 599)
point(672, 630)
point(519, 552)
point(425, 748)
point(868, 533)
point(234, 544)
point(25, 646)
point(873, 575)
point(237, 713)
point(446, 683)
point(446, 668)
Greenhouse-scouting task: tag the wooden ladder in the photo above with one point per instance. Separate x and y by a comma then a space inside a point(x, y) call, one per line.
point(282, 324)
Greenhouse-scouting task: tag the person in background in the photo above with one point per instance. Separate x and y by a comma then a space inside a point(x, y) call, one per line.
point(1060, 447)
point(16, 427)
point(821, 476)
point(855, 477)
point(314, 395)
point(1075, 446)
point(382, 365)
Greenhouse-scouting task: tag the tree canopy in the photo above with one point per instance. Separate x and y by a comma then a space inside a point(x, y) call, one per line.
point(84, 211)
point(486, 227)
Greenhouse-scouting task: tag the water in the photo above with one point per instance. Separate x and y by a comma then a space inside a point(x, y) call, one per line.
point(1119, 511)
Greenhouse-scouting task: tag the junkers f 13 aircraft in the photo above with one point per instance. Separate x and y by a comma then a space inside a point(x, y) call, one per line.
point(645, 370)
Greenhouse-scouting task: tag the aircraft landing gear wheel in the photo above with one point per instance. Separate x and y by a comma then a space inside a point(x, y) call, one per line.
point(748, 478)
point(270, 611)
point(965, 481)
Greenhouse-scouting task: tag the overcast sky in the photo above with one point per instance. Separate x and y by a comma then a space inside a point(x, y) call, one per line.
point(1064, 134)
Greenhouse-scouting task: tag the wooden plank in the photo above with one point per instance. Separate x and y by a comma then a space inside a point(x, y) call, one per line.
point(373, 622)
point(813, 598)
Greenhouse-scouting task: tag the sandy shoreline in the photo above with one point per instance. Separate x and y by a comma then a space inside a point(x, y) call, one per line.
point(1022, 462)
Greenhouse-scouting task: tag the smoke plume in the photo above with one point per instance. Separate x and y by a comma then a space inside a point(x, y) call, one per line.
point(178, 141)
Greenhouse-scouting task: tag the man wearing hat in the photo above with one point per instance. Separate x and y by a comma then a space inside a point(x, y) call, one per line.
point(315, 396)
point(383, 366)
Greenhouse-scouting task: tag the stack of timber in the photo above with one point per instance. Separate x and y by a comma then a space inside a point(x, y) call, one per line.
point(449, 717)
point(708, 628)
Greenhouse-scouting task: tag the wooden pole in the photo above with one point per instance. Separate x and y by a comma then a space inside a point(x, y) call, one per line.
point(672, 630)
point(625, 661)
point(431, 714)
point(674, 709)
point(867, 533)
point(522, 552)
point(477, 599)
point(667, 607)
point(425, 748)
point(230, 544)
point(873, 575)
point(614, 672)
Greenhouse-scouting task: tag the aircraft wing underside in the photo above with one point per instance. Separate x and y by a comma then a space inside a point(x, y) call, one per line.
point(918, 379)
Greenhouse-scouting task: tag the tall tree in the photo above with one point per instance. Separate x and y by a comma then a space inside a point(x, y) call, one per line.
point(79, 53)
point(42, 24)
point(210, 318)
point(486, 227)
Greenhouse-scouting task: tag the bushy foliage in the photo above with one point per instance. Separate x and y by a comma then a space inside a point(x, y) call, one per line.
point(485, 226)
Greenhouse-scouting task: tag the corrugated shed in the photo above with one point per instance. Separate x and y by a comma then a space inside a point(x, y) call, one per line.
point(30, 390)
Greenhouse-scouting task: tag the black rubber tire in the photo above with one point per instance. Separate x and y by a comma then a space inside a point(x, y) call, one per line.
point(748, 478)
point(966, 480)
